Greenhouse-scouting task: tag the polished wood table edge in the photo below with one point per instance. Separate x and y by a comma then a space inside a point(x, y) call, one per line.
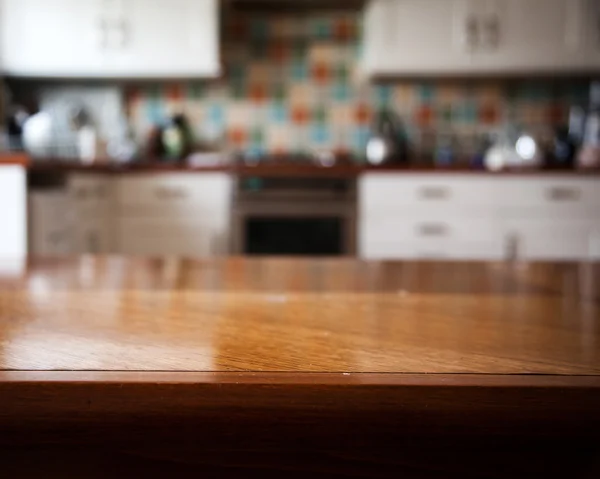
point(292, 170)
point(294, 378)
point(18, 159)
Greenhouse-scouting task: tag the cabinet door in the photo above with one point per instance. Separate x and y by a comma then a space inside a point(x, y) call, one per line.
point(414, 37)
point(592, 33)
point(530, 35)
point(13, 211)
point(51, 37)
point(164, 38)
point(91, 237)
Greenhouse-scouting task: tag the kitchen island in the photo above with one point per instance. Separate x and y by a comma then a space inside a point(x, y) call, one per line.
point(334, 367)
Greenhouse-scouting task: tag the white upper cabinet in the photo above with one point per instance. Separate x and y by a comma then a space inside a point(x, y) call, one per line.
point(418, 36)
point(110, 38)
point(437, 37)
point(592, 33)
point(51, 37)
point(530, 36)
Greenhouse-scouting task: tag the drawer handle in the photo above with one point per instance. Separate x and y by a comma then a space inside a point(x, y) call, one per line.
point(433, 229)
point(559, 193)
point(165, 193)
point(434, 193)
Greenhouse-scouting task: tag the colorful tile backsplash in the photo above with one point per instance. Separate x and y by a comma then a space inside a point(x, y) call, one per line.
point(293, 84)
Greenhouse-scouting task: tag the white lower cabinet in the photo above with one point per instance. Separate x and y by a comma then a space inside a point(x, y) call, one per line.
point(472, 217)
point(137, 214)
point(50, 223)
point(174, 214)
point(13, 211)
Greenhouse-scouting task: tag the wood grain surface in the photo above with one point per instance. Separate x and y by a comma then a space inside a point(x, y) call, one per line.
point(133, 367)
point(294, 315)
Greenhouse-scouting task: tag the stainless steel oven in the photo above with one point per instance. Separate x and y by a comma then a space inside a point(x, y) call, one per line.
point(294, 216)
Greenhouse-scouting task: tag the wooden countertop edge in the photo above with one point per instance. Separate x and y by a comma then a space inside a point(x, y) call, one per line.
point(303, 378)
point(17, 159)
point(446, 403)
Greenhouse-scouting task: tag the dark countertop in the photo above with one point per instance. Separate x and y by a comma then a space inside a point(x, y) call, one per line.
point(286, 169)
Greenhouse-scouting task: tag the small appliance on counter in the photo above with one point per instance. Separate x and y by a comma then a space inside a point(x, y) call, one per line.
point(387, 143)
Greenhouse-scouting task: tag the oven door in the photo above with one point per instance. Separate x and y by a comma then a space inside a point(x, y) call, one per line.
point(296, 230)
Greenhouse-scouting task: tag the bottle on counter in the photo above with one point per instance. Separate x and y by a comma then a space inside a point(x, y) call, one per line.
point(589, 155)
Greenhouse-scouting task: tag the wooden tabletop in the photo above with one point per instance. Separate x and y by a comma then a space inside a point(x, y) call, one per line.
point(298, 316)
point(113, 366)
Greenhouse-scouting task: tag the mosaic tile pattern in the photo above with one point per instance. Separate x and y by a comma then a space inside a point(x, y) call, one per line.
point(294, 85)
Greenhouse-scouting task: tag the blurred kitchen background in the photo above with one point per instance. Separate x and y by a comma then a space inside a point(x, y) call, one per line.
point(459, 129)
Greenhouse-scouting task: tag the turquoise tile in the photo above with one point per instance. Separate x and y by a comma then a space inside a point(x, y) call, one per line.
point(237, 72)
point(155, 112)
point(321, 29)
point(320, 134)
point(341, 92)
point(278, 113)
point(360, 137)
point(299, 70)
point(426, 93)
point(383, 95)
point(259, 29)
point(195, 90)
point(216, 114)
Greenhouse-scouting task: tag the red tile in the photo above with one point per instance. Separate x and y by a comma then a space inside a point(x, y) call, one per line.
point(424, 116)
point(321, 73)
point(238, 136)
point(133, 94)
point(344, 30)
point(238, 29)
point(300, 115)
point(279, 52)
point(489, 114)
point(258, 93)
point(556, 114)
point(362, 114)
point(174, 92)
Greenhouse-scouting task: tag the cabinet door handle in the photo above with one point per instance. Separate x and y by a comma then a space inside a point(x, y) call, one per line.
point(492, 31)
point(432, 229)
point(559, 193)
point(434, 193)
point(471, 32)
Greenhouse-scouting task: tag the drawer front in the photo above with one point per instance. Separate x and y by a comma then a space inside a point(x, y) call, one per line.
point(433, 249)
point(170, 238)
point(383, 228)
point(89, 193)
point(562, 197)
point(92, 237)
point(178, 190)
point(378, 190)
point(551, 240)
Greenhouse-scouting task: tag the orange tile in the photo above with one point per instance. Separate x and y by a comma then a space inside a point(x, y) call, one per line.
point(362, 114)
point(174, 92)
point(300, 115)
point(258, 93)
point(321, 73)
point(489, 114)
point(238, 136)
point(424, 116)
